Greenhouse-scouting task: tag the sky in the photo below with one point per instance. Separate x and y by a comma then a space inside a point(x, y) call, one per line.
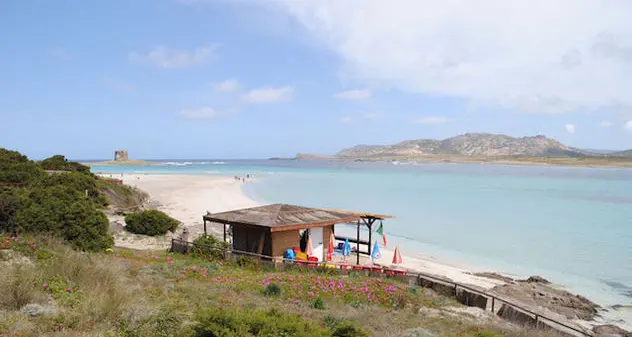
point(198, 79)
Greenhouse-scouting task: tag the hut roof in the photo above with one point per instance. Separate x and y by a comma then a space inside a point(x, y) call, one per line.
point(283, 217)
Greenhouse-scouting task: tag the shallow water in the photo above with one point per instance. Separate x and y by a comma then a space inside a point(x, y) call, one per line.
point(570, 225)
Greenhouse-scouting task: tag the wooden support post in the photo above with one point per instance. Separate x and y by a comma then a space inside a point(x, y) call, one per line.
point(204, 226)
point(358, 245)
point(370, 225)
point(261, 242)
point(224, 232)
point(493, 300)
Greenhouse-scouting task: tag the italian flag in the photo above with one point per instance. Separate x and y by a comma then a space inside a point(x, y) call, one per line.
point(380, 230)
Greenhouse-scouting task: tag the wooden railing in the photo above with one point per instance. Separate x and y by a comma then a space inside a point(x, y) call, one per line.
point(465, 294)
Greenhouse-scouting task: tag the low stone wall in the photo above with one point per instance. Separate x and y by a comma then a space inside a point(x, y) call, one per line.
point(471, 299)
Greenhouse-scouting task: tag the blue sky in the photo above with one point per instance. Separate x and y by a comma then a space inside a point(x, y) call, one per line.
point(254, 79)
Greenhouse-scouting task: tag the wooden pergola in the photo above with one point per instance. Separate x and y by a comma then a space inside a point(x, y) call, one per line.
point(278, 222)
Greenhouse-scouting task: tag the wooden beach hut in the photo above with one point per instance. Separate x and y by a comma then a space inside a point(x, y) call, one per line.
point(272, 229)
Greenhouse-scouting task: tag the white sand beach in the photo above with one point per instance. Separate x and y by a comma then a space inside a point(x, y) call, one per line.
point(188, 197)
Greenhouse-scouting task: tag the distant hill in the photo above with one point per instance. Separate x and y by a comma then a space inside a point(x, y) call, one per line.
point(626, 153)
point(599, 151)
point(469, 144)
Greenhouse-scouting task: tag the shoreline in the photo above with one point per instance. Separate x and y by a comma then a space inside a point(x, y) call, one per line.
point(188, 197)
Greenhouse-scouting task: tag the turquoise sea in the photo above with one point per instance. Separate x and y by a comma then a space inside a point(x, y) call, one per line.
point(570, 225)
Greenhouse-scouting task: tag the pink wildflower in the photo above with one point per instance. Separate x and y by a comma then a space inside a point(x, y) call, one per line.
point(68, 289)
point(44, 285)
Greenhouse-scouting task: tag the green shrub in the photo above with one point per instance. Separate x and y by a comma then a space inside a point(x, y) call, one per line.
point(60, 163)
point(245, 261)
point(331, 321)
point(271, 323)
point(272, 289)
point(348, 329)
point(150, 222)
point(79, 183)
point(340, 328)
point(319, 304)
point(208, 247)
point(62, 212)
point(18, 169)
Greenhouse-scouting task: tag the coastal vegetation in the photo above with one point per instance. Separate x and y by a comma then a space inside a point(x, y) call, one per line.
point(150, 222)
point(51, 289)
point(54, 196)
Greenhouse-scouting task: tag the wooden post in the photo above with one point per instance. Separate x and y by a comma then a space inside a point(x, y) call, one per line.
point(358, 245)
point(224, 232)
point(261, 242)
point(493, 300)
point(204, 226)
point(370, 225)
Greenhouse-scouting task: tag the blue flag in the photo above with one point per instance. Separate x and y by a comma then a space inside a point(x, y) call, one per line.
point(346, 249)
point(376, 252)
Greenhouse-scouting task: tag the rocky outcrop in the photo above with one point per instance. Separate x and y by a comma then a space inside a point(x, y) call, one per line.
point(537, 292)
point(610, 331)
point(469, 144)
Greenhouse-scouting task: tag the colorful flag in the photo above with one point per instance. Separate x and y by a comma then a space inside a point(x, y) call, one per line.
point(397, 257)
point(330, 247)
point(309, 250)
point(346, 248)
point(376, 254)
point(380, 230)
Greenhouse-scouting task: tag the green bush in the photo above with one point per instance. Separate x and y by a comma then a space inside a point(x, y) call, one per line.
point(272, 289)
point(39, 203)
point(340, 328)
point(208, 247)
point(150, 222)
point(319, 304)
point(271, 323)
point(348, 329)
point(62, 212)
point(18, 169)
point(60, 163)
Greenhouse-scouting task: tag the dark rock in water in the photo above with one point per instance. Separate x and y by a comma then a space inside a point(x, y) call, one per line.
point(536, 279)
point(610, 331)
point(622, 307)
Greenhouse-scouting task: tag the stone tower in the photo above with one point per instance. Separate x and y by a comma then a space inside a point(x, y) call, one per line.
point(121, 155)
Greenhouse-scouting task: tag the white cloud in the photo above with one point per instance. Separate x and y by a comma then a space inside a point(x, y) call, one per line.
point(203, 112)
point(59, 53)
point(431, 120)
point(628, 125)
point(167, 58)
point(270, 94)
point(356, 94)
point(570, 128)
point(536, 56)
point(345, 120)
point(226, 86)
point(605, 124)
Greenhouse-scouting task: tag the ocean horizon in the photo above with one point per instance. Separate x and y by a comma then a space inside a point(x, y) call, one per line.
point(570, 225)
